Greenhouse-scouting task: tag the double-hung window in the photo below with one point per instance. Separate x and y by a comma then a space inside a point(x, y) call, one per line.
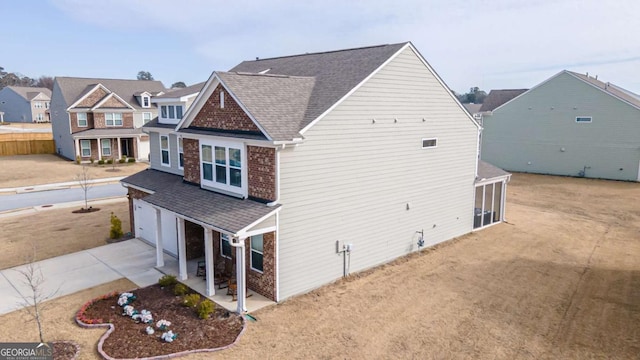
point(145, 102)
point(113, 119)
point(164, 149)
point(257, 253)
point(85, 148)
point(82, 119)
point(222, 166)
point(106, 147)
point(228, 166)
point(146, 117)
point(180, 154)
point(225, 246)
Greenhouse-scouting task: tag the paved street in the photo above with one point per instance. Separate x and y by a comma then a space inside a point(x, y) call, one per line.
point(18, 201)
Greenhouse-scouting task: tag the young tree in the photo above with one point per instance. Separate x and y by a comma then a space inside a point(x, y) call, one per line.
point(144, 75)
point(84, 180)
point(179, 84)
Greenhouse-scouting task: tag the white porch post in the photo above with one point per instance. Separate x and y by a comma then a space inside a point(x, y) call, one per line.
point(119, 148)
point(99, 149)
point(241, 277)
point(159, 249)
point(77, 147)
point(208, 257)
point(182, 250)
point(137, 152)
point(503, 200)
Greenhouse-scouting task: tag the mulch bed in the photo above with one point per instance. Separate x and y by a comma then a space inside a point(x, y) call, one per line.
point(130, 340)
point(127, 236)
point(65, 350)
point(85, 210)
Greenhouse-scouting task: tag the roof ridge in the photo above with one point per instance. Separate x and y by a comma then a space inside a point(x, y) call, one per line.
point(326, 52)
point(94, 78)
point(245, 73)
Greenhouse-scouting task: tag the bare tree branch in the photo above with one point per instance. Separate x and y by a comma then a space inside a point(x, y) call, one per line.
point(84, 180)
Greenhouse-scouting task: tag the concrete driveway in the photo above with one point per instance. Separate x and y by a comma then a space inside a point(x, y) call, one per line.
point(70, 273)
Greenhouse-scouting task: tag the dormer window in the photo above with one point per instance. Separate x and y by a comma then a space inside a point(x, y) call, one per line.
point(172, 112)
point(146, 101)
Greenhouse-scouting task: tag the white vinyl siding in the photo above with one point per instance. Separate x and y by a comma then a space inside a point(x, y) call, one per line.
point(165, 160)
point(155, 159)
point(85, 148)
point(351, 181)
point(538, 132)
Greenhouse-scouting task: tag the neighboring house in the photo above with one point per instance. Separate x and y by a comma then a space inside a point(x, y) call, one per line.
point(102, 118)
point(571, 124)
point(473, 109)
point(25, 104)
point(301, 169)
point(499, 97)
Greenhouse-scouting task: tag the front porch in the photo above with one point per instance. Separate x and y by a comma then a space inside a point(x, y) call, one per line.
point(253, 302)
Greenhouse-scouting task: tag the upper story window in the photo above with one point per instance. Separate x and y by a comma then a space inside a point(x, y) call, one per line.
point(38, 105)
point(146, 117)
point(180, 154)
point(146, 101)
point(429, 143)
point(583, 119)
point(222, 166)
point(164, 149)
point(46, 105)
point(171, 112)
point(82, 119)
point(113, 119)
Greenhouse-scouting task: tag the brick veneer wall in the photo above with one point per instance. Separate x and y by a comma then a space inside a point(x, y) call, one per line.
point(194, 240)
point(100, 122)
point(231, 117)
point(191, 160)
point(93, 98)
point(134, 194)
point(74, 122)
point(113, 102)
point(262, 172)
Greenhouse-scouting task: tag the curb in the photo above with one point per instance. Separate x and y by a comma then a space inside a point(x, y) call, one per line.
point(34, 209)
point(56, 186)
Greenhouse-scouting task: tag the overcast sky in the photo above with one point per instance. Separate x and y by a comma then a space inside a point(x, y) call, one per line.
point(494, 44)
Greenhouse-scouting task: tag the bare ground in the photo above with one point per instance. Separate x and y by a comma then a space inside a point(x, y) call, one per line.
point(26, 170)
point(58, 232)
point(560, 280)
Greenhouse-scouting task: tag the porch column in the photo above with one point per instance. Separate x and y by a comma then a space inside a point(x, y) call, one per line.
point(241, 277)
point(137, 152)
point(208, 257)
point(77, 141)
point(503, 201)
point(119, 148)
point(182, 250)
point(159, 249)
point(99, 149)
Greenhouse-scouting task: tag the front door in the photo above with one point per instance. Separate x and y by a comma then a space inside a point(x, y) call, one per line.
point(127, 147)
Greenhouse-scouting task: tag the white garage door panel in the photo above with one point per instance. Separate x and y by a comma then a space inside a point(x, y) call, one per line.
point(169, 233)
point(144, 217)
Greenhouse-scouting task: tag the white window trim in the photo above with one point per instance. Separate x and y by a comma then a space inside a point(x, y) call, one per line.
point(102, 147)
point(114, 119)
point(180, 151)
point(82, 148)
point(168, 151)
point(221, 99)
point(166, 114)
point(251, 250)
point(227, 188)
point(429, 139)
point(225, 237)
point(39, 117)
point(150, 117)
point(148, 101)
point(86, 121)
point(584, 117)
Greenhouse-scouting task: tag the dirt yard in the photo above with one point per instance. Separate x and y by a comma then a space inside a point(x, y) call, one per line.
point(58, 232)
point(26, 170)
point(560, 280)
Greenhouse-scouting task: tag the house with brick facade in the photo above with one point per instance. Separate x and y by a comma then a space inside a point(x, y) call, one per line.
point(25, 104)
point(298, 170)
point(102, 118)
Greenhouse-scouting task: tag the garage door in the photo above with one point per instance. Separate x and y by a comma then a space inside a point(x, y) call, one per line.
point(145, 222)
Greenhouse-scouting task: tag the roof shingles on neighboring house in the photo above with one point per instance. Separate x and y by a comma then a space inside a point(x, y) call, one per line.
point(488, 171)
point(179, 92)
point(28, 93)
point(611, 89)
point(497, 98)
point(74, 88)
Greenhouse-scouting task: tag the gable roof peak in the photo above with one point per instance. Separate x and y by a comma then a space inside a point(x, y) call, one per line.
point(257, 60)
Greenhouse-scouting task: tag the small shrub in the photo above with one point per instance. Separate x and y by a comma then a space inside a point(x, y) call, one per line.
point(205, 309)
point(100, 162)
point(167, 280)
point(116, 227)
point(92, 160)
point(78, 159)
point(191, 300)
point(131, 160)
point(180, 289)
point(109, 161)
point(121, 161)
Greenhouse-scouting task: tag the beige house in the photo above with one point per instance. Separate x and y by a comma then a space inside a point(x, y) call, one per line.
point(25, 104)
point(298, 170)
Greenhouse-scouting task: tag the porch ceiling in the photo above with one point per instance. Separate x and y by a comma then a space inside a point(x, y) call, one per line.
point(220, 211)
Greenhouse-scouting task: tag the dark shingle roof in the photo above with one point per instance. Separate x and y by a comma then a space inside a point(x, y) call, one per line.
point(108, 132)
point(28, 93)
point(472, 108)
point(220, 211)
point(154, 123)
point(488, 171)
point(499, 97)
point(335, 73)
point(74, 88)
point(179, 92)
point(612, 89)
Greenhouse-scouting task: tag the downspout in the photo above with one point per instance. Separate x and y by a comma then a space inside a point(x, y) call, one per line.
point(277, 200)
point(240, 274)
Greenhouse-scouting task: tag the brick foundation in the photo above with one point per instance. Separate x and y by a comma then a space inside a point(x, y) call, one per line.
point(231, 117)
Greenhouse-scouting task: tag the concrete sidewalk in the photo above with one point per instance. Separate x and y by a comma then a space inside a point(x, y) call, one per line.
point(131, 259)
point(56, 186)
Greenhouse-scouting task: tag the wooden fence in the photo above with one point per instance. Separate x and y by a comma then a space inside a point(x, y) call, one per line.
point(27, 143)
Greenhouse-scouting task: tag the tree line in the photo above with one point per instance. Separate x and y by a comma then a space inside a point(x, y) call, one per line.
point(18, 79)
point(475, 96)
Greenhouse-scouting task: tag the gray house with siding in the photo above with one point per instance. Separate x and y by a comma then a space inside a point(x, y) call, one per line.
point(295, 171)
point(571, 124)
point(25, 104)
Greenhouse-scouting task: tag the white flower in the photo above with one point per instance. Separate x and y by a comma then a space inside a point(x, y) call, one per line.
point(144, 316)
point(129, 311)
point(150, 330)
point(125, 298)
point(169, 336)
point(163, 324)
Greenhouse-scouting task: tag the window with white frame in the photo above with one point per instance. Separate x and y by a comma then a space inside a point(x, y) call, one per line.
point(164, 148)
point(178, 112)
point(222, 166)
point(221, 99)
point(180, 154)
point(82, 119)
point(146, 117)
point(113, 119)
point(583, 119)
point(38, 105)
point(46, 105)
point(39, 117)
point(171, 112)
point(146, 102)
point(225, 246)
point(257, 253)
point(429, 143)
point(85, 148)
point(106, 147)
